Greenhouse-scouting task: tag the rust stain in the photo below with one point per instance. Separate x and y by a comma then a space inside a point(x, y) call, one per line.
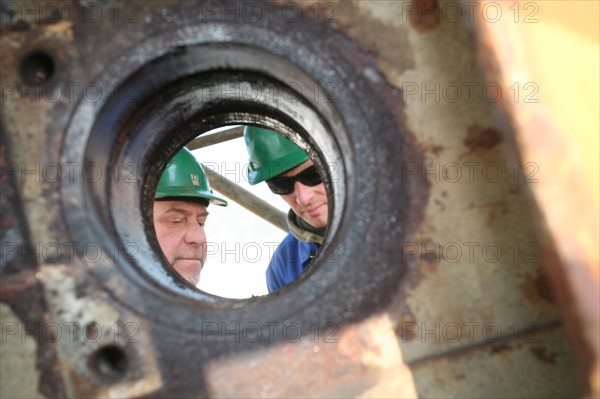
point(424, 15)
point(14, 285)
point(460, 376)
point(422, 256)
point(537, 289)
point(543, 288)
point(542, 355)
point(404, 324)
point(429, 254)
point(436, 149)
point(441, 201)
point(500, 348)
point(7, 222)
point(351, 342)
point(431, 148)
point(482, 139)
point(496, 208)
point(440, 204)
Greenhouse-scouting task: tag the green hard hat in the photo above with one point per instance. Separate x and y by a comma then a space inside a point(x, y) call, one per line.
point(184, 179)
point(270, 153)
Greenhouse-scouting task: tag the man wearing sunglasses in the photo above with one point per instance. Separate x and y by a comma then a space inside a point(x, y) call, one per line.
point(291, 174)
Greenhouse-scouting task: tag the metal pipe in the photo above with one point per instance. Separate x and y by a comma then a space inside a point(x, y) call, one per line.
point(216, 138)
point(246, 199)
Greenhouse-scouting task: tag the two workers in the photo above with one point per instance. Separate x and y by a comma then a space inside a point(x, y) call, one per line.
point(184, 194)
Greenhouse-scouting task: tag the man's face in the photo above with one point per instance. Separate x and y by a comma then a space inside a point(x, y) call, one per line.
point(179, 227)
point(310, 203)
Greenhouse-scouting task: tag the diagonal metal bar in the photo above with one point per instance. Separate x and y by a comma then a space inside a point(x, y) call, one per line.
point(216, 138)
point(246, 199)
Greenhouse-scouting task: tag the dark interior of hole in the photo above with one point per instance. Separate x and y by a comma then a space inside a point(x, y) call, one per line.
point(110, 362)
point(37, 67)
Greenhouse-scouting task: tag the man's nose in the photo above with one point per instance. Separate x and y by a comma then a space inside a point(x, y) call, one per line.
point(195, 235)
point(303, 193)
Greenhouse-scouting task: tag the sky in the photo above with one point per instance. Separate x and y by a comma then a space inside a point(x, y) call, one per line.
point(240, 244)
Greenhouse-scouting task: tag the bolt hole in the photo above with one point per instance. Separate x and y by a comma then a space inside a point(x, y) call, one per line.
point(110, 362)
point(37, 67)
point(91, 331)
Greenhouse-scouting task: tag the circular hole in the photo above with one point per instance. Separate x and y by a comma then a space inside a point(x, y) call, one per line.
point(37, 67)
point(249, 238)
point(110, 362)
point(170, 101)
point(197, 105)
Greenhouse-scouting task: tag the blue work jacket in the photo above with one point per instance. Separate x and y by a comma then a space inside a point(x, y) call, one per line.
point(290, 259)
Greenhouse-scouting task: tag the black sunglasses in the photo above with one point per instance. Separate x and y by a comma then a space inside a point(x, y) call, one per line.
point(283, 185)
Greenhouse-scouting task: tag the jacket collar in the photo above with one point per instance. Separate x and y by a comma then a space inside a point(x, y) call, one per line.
point(303, 231)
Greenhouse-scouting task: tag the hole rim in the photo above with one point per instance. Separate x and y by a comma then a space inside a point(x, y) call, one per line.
point(169, 141)
point(349, 112)
point(109, 363)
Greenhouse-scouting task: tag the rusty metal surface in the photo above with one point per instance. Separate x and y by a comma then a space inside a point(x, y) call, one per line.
point(450, 278)
point(569, 235)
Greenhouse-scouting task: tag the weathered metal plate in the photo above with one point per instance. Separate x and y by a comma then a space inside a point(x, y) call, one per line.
point(476, 265)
